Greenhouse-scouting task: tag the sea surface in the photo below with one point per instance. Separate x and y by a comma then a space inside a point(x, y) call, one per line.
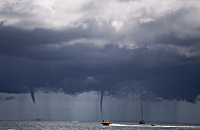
point(60, 125)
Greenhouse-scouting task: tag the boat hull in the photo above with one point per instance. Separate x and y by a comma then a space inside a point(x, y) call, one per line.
point(142, 122)
point(106, 123)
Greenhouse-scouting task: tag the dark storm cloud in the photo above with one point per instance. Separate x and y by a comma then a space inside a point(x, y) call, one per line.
point(148, 55)
point(119, 71)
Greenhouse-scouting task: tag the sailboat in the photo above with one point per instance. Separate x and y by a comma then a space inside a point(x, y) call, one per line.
point(141, 121)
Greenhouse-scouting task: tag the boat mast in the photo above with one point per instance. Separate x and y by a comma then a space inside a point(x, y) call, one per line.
point(141, 112)
point(142, 121)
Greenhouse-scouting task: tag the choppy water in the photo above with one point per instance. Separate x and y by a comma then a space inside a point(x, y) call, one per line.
point(59, 125)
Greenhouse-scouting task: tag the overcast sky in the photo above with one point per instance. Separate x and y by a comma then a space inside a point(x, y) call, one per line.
point(146, 49)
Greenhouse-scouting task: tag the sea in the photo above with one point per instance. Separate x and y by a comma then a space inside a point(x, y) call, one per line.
point(75, 125)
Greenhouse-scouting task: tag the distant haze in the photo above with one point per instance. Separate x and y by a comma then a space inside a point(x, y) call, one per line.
point(85, 107)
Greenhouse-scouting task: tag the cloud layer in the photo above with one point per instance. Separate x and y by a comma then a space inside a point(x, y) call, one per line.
point(147, 49)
